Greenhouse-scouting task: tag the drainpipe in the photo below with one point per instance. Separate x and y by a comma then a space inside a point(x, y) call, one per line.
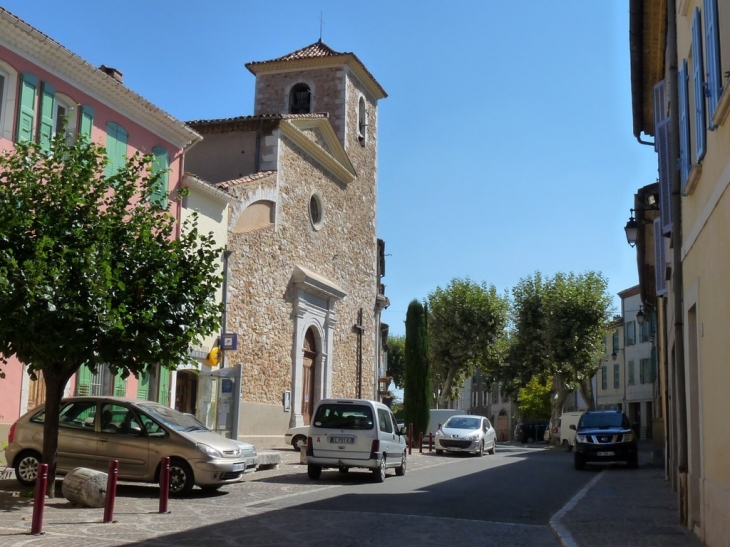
point(226, 256)
point(677, 274)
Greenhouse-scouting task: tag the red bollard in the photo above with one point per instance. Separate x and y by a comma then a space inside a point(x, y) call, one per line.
point(39, 503)
point(410, 438)
point(164, 483)
point(111, 490)
point(420, 442)
point(430, 442)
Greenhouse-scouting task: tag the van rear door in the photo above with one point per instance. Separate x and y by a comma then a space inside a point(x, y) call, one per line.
point(343, 430)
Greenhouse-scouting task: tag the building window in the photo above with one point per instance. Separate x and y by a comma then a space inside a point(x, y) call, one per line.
point(630, 333)
point(65, 116)
point(315, 211)
point(645, 371)
point(362, 121)
point(645, 331)
point(604, 377)
point(3, 96)
point(300, 99)
point(616, 376)
point(161, 168)
point(615, 341)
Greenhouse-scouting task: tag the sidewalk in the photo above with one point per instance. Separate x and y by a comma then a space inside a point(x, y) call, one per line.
point(624, 507)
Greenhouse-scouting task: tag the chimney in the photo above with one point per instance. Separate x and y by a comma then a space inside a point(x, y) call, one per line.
point(113, 72)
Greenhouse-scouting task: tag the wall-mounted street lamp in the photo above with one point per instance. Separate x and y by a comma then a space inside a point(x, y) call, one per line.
point(632, 230)
point(640, 316)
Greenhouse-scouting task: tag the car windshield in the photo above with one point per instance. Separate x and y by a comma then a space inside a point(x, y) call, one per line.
point(172, 418)
point(344, 416)
point(603, 421)
point(462, 423)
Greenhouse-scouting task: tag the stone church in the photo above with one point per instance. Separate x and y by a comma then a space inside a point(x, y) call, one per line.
point(304, 278)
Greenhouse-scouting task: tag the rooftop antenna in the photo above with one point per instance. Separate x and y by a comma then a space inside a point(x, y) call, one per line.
point(321, 22)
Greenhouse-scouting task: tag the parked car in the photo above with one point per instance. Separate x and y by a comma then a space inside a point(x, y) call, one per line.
point(249, 453)
point(466, 433)
point(347, 433)
point(297, 437)
point(567, 433)
point(605, 436)
point(138, 433)
point(529, 432)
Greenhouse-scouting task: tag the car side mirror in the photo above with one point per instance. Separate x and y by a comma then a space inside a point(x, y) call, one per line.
point(403, 430)
point(572, 426)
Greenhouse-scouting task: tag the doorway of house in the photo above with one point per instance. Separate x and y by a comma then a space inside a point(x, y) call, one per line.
point(186, 391)
point(308, 372)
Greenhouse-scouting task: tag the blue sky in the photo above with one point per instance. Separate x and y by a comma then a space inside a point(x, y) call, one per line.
point(505, 145)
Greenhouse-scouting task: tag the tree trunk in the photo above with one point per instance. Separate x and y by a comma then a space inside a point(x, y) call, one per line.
point(586, 391)
point(446, 389)
point(55, 385)
point(561, 394)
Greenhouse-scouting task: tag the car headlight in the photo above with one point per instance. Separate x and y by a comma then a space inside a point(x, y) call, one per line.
point(439, 433)
point(209, 450)
point(580, 438)
point(628, 437)
point(474, 437)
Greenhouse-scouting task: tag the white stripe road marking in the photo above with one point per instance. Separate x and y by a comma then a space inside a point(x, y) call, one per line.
point(562, 533)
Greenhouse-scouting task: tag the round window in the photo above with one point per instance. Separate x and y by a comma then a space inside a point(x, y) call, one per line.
point(315, 211)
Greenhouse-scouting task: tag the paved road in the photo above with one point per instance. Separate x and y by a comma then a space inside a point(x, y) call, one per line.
point(505, 499)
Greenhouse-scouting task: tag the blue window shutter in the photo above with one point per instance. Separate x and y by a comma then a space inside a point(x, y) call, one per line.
point(116, 147)
point(45, 120)
point(161, 164)
point(26, 107)
point(699, 86)
point(663, 145)
point(659, 259)
point(712, 43)
point(86, 122)
point(685, 162)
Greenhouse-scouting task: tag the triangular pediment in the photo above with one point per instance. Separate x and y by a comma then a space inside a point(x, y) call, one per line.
point(317, 137)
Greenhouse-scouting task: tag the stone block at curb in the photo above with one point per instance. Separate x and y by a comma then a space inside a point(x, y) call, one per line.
point(269, 459)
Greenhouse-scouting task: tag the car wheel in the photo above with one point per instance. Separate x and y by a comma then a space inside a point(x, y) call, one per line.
point(578, 462)
point(26, 468)
point(299, 442)
point(567, 446)
point(480, 452)
point(379, 472)
point(181, 478)
point(401, 469)
point(494, 447)
point(314, 471)
point(439, 452)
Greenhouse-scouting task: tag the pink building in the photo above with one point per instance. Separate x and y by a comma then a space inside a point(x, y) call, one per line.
point(42, 84)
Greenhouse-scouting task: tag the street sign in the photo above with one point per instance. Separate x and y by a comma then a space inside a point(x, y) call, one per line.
point(230, 341)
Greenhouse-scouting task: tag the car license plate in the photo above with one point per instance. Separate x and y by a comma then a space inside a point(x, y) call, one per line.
point(604, 454)
point(342, 440)
point(239, 467)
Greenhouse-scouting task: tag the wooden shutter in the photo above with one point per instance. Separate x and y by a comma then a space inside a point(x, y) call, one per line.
point(699, 86)
point(83, 381)
point(120, 385)
point(660, 262)
point(663, 146)
point(164, 392)
point(86, 121)
point(143, 386)
point(714, 73)
point(45, 120)
point(116, 147)
point(26, 107)
point(685, 161)
point(604, 377)
point(161, 164)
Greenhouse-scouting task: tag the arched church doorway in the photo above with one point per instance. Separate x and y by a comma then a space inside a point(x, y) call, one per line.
point(308, 362)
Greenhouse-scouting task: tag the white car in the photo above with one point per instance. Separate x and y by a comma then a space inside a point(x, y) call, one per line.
point(466, 433)
point(297, 437)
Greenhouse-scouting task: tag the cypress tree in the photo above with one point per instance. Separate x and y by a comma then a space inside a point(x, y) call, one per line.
point(417, 384)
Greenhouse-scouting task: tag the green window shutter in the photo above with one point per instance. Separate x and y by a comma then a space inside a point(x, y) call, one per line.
point(604, 378)
point(164, 392)
point(116, 147)
point(143, 387)
point(86, 121)
point(83, 381)
point(161, 164)
point(120, 385)
point(26, 107)
point(45, 122)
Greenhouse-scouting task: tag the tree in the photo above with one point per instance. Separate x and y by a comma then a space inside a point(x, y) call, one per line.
point(90, 271)
point(417, 385)
point(559, 325)
point(533, 400)
point(396, 358)
point(466, 330)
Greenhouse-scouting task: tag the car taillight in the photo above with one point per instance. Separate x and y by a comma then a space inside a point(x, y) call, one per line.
point(375, 448)
point(310, 450)
point(11, 434)
point(555, 429)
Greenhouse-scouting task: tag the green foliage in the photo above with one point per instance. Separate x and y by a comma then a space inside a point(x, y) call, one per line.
point(92, 272)
point(533, 400)
point(467, 328)
point(396, 359)
point(417, 385)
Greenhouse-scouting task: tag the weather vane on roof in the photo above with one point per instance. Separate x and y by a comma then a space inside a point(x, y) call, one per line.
point(321, 22)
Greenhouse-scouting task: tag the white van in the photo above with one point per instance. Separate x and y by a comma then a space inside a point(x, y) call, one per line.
point(567, 435)
point(438, 418)
point(346, 433)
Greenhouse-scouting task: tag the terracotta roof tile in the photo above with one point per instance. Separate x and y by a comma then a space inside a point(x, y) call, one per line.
point(228, 184)
point(238, 119)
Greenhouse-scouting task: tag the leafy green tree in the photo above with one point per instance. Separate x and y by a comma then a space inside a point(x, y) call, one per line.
point(466, 332)
point(396, 358)
point(91, 272)
point(533, 400)
point(417, 385)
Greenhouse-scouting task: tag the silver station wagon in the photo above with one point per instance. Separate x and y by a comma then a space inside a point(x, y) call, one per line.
point(138, 433)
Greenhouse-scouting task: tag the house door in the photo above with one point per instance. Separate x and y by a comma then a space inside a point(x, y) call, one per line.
point(310, 355)
point(36, 391)
point(502, 427)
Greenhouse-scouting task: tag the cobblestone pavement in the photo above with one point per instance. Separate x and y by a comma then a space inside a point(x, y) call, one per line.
point(240, 515)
